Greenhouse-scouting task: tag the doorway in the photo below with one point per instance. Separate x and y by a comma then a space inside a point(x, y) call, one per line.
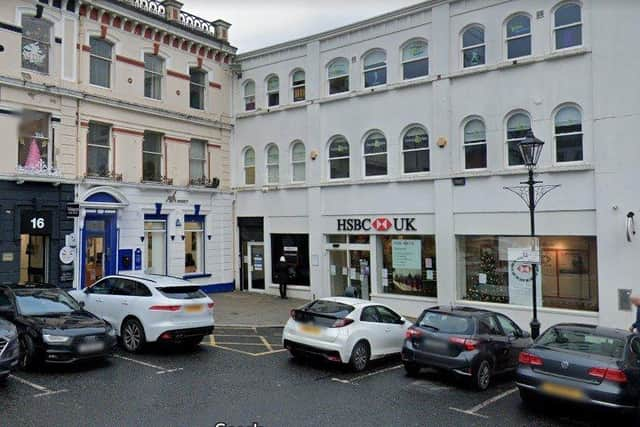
point(99, 248)
point(33, 258)
point(255, 267)
point(350, 268)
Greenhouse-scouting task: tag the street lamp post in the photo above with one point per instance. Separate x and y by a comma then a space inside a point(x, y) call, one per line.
point(531, 193)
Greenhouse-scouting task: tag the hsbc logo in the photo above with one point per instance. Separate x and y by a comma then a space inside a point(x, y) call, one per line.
point(380, 224)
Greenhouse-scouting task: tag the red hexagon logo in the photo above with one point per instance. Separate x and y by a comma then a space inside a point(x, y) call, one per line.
point(381, 224)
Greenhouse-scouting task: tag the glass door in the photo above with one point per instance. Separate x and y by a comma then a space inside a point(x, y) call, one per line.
point(338, 272)
point(33, 258)
point(350, 269)
point(99, 248)
point(360, 272)
point(256, 266)
point(155, 235)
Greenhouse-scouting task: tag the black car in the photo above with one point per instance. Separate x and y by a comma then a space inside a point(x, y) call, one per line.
point(52, 327)
point(9, 350)
point(470, 342)
point(588, 364)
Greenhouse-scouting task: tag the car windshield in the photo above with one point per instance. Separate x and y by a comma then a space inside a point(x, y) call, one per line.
point(446, 323)
point(330, 308)
point(583, 341)
point(182, 292)
point(38, 302)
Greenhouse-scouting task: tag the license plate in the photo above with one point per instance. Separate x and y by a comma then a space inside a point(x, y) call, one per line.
point(310, 329)
point(193, 308)
point(562, 391)
point(92, 347)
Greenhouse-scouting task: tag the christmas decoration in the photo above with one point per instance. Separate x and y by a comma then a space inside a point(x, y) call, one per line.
point(33, 157)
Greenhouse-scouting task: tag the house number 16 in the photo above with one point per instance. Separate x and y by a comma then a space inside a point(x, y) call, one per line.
point(37, 223)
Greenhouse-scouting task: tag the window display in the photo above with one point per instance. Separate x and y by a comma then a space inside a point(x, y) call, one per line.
point(409, 265)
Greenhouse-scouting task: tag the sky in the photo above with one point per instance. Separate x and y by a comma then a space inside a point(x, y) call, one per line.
point(261, 23)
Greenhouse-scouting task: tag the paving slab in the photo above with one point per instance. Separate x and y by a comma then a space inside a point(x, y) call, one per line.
point(252, 309)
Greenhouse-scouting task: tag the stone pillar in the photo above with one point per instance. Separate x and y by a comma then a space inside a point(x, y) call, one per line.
point(172, 10)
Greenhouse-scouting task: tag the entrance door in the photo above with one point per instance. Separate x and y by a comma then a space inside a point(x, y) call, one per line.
point(350, 268)
point(33, 258)
point(339, 272)
point(99, 248)
point(256, 266)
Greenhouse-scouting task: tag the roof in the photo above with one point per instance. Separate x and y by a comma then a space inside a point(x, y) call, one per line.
point(156, 280)
point(346, 300)
point(459, 310)
point(599, 330)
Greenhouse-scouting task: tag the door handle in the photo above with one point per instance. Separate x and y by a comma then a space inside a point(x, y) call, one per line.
point(125, 303)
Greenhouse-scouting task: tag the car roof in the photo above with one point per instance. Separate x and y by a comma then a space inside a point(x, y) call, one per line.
point(459, 310)
point(595, 329)
point(155, 280)
point(350, 301)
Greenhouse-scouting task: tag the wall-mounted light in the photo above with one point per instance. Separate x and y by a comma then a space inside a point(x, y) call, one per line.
point(182, 237)
point(173, 237)
point(142, 238)
point(209, 236)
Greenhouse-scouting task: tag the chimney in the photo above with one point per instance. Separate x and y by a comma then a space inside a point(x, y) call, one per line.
point(172, 10)
point(221, 29)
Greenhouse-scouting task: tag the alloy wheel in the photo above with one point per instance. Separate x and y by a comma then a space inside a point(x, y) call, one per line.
point(132, 336)
point(360, 357)
point(484, 375)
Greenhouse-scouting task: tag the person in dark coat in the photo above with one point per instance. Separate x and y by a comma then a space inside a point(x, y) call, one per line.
point(282, 276)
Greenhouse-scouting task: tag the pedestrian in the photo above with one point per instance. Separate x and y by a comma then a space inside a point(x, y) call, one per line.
point(635, 300)
point(282, 275)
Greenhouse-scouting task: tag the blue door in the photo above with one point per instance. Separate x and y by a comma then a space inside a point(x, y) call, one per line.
point(99, 247)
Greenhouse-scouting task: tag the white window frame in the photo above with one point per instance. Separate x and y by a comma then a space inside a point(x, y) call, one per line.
point(245, 166)
point(408, 61)
point(100, 147)
point(268, 165)
point(272, 91)
point(508, 141)
point(474, 144)
point(464, 48)
point(341, 76)
point(201, 251)
point(103, 58)
point(555, 135)
point(579, 23)
point(295, 163)
point(202, 160)
point(507, 38)
point(366, 70)
point(159, 75)
point(365, 156)
point(410, 150)
point(246, 96)
point(295, 86)
point(201, 86)
point(49, 43)
point(330, 159)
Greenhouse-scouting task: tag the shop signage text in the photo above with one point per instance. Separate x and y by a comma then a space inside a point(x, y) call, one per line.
point(377, 224)
point(35, 222)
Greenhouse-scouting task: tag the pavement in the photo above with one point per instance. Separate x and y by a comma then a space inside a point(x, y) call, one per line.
point(252, 309)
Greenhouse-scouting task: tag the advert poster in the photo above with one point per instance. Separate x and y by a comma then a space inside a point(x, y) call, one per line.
point(407, 264)
point(521, 278)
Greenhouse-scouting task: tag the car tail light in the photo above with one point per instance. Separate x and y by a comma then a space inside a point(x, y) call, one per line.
point(614, 375)
point(165, 307)
point(529, 359)
point(467, 343)
point(340, 323)
point(211, 304)
point(412, 333)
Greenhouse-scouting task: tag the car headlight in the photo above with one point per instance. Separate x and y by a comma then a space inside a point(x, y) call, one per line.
point(55, 339)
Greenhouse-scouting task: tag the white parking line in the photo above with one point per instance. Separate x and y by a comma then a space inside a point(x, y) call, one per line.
point(160, 370)
point(43, 390)
point(361, 377)
point(474, 411)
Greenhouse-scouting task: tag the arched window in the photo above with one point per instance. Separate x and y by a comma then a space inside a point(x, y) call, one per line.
point(375, 68)
point(568, 135)
point(298, 86)
point(415, 60)
point(473, 46)
point(273, 164)
point(298, 162)
point(338, 75)
point(518, 36)
point(249, 96)
point(567, 26)
point(375, 154)
point(100, 59)
point(36, 44)
point(339, 158)
point(475, 145)
point(518, 125)
point(415, 150)
point(273, 91)
point(249, 164)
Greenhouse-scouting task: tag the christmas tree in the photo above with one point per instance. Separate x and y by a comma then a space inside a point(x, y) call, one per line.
point(33, 157)
point(488, 267)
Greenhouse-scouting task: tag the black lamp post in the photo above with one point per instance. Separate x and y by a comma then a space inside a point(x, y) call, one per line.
point(530, 149)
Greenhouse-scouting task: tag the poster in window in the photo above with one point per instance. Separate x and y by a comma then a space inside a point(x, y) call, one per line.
point(406, 259)
point(572, 262)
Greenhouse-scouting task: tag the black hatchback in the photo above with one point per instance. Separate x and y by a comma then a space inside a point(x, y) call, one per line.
point(52, 327)
point(587, 364)
point(470, 342)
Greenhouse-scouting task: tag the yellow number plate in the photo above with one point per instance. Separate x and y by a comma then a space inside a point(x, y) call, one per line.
point(193, 308)
point(310, 329)
point(562, 391)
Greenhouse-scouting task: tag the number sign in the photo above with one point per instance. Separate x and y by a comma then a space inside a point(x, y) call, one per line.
point(35, 222)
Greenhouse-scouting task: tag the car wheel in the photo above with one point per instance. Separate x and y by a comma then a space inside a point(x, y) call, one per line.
point(360, 356)
point(482, 375)
point(133, 338)
point(27, 352)
point(412, 369)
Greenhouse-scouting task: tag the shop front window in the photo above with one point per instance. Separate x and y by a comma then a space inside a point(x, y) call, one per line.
point(490, 269)
point(295, 249)
point(409, 265)
point(34, 148)
point(194, 244)
point(155, 236)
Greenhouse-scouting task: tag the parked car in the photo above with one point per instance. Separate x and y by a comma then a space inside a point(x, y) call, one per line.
point(344, 330)
point(9, 350)
point(470, 342)
point(150, 308)
point(589, 364)
point(52, 327)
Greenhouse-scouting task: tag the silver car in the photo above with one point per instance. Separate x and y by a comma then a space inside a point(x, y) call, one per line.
point(9, 349)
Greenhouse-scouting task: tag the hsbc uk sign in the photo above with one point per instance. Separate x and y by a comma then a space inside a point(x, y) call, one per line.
point(380, 224)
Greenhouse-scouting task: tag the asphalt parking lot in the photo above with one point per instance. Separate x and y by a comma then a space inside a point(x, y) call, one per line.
point(242, 375)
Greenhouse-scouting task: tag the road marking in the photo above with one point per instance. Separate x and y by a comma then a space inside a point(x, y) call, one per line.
point(212, 340)
point(474, 411)
point(43, 390)
point(361, 377)
point(160, 369)
point(266, 343)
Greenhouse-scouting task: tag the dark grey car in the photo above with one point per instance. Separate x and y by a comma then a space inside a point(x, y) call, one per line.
point(9, 349)
point(582, 363)
point(471, 342)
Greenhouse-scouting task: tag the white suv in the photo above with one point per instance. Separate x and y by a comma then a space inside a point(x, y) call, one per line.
point(148, 308)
